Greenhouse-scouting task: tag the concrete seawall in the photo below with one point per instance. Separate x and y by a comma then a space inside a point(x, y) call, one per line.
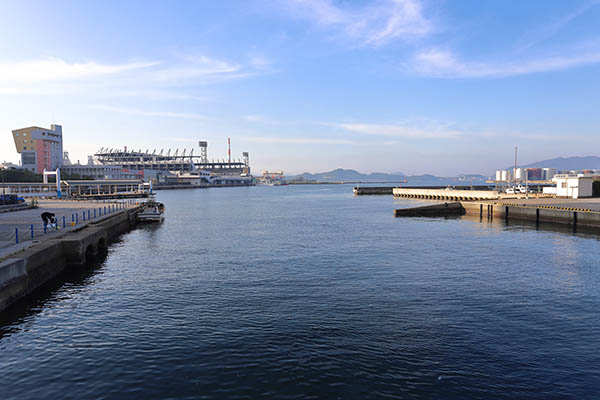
point(445, 194)
point(559, 215)
point(373, 190)
point(435, 210)
point(23, 272)
point(572, 216)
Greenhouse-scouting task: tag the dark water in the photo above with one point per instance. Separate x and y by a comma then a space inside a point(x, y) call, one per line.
point(308, 292)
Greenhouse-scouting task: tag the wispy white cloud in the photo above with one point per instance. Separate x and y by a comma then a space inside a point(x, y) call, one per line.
point(296, 140)
point(154, 78)
point(401, 130)
point(145, 113)
point(371, 25)
point(196, 68)
point(443, 63)
point(55, 70)
point(547, 31)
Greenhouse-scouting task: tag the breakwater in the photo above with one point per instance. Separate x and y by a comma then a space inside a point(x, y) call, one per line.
point(435, 210)
point(373, 190)
point(446, 194)
point(26, 270)
point(573, 216)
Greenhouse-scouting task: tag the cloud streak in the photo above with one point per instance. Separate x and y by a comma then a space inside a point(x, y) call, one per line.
point(400, 131)
point(297, 140)
point(52, 75)
point(57, 70)
point(445, 64)
point(144, 113)
point(371, 25)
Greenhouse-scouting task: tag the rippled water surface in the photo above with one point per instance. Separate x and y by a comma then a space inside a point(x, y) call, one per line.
point(309, 292)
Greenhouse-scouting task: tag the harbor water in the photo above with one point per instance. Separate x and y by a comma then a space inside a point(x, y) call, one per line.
point(306, 291)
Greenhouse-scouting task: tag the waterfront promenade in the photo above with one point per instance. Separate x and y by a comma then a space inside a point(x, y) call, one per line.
point(75, 214)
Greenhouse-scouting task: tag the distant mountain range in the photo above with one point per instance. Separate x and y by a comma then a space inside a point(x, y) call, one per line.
point(350, 175)
point(566, 163)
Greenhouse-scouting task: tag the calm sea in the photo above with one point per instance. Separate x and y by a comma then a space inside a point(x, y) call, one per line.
point(308, 292)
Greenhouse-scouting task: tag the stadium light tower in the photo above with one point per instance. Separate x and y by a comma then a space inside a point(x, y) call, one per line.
point(203, 154)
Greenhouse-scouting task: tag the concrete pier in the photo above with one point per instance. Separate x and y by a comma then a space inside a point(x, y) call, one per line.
point(582, 212)
point(373, 190)
point(26, 270)
point(435, 210)
point(446, 194)
point(573, 216)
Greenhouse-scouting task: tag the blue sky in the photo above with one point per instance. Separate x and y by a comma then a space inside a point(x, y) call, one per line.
point(416, 86)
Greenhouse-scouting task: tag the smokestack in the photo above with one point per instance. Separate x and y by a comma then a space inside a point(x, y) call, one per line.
point(229, 149)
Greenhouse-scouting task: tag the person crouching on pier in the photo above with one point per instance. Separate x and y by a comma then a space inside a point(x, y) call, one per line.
point(49, 219)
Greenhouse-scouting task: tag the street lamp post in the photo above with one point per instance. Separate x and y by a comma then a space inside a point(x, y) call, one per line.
point(527, 183)
point(3, 189)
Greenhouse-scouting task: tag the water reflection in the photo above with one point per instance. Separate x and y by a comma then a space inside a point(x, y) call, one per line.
point(72, 278)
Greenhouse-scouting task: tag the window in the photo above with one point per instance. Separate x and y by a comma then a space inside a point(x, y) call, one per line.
point(564, 185)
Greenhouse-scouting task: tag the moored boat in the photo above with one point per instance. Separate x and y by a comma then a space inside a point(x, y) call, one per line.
point(153, 211)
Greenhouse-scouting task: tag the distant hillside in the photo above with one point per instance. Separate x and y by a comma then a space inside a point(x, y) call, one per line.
point(350, 175)
point(339, 175)
point(566, 163)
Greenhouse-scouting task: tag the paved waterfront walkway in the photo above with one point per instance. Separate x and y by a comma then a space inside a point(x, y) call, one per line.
point(75, 213)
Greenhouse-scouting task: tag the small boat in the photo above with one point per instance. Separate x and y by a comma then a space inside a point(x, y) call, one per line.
point(153, 212)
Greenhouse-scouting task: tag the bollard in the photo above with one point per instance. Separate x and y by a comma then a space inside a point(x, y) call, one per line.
point(72, 218)
point(64, 222)
point(94, 213)
point(83, 216)
point(88, 215)
point(77, 218)
point(104, 210)
point(31, 231)
point(45, 228)
point(17, 235)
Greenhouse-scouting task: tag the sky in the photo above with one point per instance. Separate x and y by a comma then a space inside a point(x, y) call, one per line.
point(411, 86)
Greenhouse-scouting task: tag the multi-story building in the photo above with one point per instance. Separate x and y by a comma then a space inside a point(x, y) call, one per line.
point(40, 148)
point(94, 170)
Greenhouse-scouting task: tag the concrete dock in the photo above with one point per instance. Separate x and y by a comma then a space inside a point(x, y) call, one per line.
point(20, 222)
point(373, 190)
point(27, 265)
point(571, 212)
point(446, 194)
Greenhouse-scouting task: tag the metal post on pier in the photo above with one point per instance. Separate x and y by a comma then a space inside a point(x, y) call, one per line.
point(64, 222)
point(31, 227)
point(17, 235)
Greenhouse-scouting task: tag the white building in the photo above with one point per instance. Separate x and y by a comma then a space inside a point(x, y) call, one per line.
point(574, 185)
point(548, 173)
